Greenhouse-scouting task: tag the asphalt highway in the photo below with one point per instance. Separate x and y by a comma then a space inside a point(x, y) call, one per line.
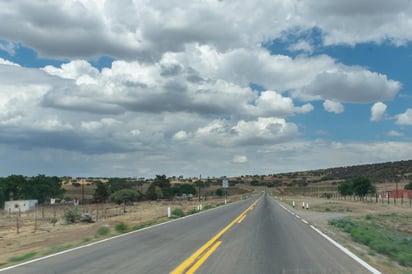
point(249, 236)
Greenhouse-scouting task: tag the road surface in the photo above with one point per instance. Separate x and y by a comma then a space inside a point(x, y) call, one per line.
point(250, 236)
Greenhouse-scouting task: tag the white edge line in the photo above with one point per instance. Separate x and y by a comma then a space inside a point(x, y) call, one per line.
point(339, 246)
point(114, 237)
point(347, 252)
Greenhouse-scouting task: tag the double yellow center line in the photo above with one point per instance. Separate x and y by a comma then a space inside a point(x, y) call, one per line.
point(201, 255)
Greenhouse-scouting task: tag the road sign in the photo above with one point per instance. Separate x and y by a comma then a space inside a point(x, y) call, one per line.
point(225, 183)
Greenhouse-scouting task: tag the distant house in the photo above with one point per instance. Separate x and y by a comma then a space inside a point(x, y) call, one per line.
point(19, 205)
point(400, 193)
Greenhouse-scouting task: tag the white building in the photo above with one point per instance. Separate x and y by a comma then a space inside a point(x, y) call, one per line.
point(19, 205)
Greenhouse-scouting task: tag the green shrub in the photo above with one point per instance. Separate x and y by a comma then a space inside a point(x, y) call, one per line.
point(22, 257)
point(192, 211)
point(380, 239)
point(178, 212)
point(125, 195)
point(71, 215)
point(121, 227)
point(219, 192)
point(102, 231)
point(87, 239)
point(140, 226)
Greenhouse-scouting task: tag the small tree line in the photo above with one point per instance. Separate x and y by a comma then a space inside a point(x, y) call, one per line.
point(360, 186)
point(116, 190)
point(40, 187)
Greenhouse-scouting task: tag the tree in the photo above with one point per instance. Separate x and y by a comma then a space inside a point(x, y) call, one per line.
point(116, 184)
point(124, 196)
point(154, 192)
point(180, 189)
point(345, 188)
point(219, 192)
point(363, 186)
point(408, 186)
point(255, 183)
point(164, 184)
point(2, 192)
point(41, 188)
point(101, 193)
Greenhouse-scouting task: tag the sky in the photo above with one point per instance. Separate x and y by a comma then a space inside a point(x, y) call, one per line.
point(136, 88)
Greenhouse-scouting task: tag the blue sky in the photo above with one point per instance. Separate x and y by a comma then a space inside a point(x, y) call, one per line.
point(98, 88)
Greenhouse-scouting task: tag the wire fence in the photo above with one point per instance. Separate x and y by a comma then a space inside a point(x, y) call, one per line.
point(43, 217)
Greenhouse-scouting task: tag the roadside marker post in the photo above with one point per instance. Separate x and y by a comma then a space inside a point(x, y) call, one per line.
point(225, 185)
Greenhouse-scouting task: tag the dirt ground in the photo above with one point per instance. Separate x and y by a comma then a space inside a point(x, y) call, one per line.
point(38, 236)
point(42, 237)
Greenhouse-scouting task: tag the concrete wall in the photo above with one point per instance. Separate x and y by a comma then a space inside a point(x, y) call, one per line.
point(19, 205)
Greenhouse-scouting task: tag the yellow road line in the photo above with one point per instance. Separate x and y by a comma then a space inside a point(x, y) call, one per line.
point(203, 258)
point(241, 219)
point(189, 261)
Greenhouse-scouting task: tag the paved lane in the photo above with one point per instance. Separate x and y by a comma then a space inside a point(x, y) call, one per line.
point(155, 250)
point(252, 236)
point(271, 240)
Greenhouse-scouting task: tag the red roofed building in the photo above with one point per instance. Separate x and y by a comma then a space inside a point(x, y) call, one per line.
point(405, 193)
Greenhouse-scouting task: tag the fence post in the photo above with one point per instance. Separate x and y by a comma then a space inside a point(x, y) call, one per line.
point(35, 219)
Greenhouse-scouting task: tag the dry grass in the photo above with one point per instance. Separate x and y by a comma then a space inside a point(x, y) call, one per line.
point(38, 236)
point(322, 210)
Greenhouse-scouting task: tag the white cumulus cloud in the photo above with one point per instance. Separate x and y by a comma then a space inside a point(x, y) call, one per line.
point(378, 111)
point(405, 118)
point(332, 106)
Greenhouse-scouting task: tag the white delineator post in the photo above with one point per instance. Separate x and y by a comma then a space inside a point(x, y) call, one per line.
point(169, 212)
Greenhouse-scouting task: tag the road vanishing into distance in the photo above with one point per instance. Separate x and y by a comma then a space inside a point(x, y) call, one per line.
point(257, 235)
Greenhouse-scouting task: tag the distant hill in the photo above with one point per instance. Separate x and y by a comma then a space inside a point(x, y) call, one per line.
point(379, 173)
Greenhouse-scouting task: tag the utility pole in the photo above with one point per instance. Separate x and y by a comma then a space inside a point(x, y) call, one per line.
point(199, 185)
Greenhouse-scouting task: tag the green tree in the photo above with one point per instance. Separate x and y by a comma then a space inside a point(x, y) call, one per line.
point(154, 192)
point(164, 184)
point(43, 188)
point(363, 186)
point(255, 183)
point(101, 193)
point(116, 184)
point(180, 189)
point(408, 186)
point(345, 188)
point(124, 196)
point(40, 187)
point(14, 185)
point(2, 192)
point(219, 192)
